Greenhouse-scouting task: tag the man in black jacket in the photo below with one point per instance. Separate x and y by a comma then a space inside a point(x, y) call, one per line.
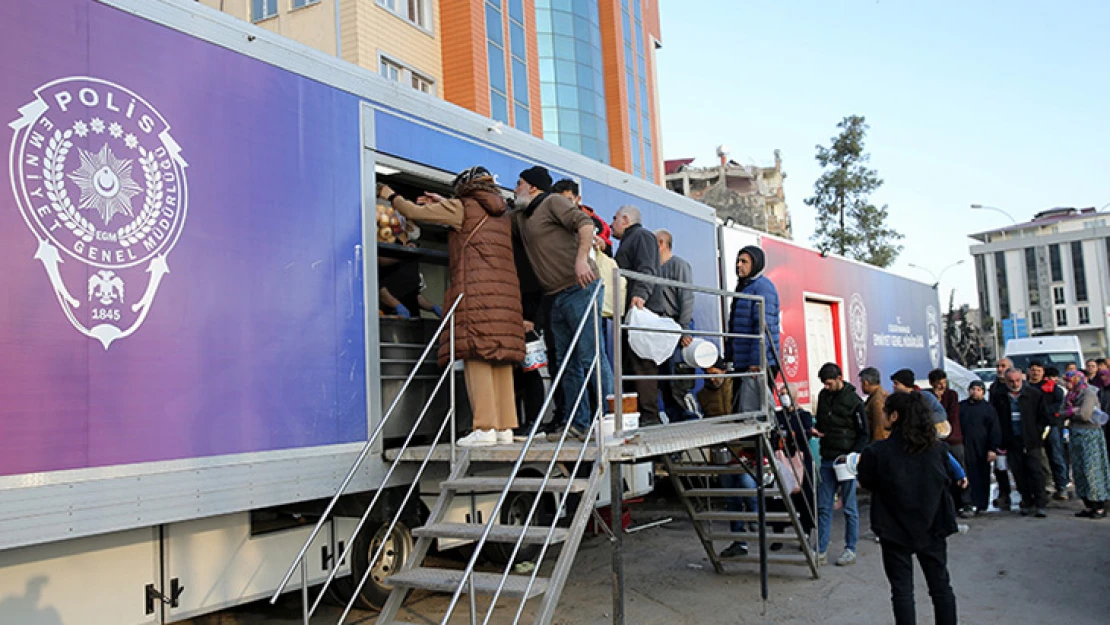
point(1022, 420)
point(842, 429)
point(639, 252)
point(996, 395)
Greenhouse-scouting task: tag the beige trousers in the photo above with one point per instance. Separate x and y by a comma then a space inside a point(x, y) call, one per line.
point(492, 399)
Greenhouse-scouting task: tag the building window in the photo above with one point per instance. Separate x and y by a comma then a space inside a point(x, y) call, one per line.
point(418, 12)
point(1058, 295)
point(263, 9)
point(398, 72)
point(1079, 272)
point(1035, 319)
point(1055, 264)
point(518, 58)
point(303, 3)
point(421, 83)
point(1003, 287)
point(390, 70)
point(1031, 277)
point(1084, 315)
point(498, 74)
point(1061, 317)
point(981, 282)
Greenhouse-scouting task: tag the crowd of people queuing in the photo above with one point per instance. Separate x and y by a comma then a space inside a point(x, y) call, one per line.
point(533, 269)
point(926, 457)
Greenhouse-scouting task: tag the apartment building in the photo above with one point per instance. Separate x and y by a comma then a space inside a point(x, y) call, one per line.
point(580, 73)
point(1052, 272)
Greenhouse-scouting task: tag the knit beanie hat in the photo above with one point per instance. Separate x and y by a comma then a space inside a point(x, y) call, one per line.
point(537, 177)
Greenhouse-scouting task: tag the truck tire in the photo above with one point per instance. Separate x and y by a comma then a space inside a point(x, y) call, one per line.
point(375, 591)
point(514, 512)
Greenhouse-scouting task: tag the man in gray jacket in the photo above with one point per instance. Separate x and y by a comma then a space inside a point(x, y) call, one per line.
point(678, 304)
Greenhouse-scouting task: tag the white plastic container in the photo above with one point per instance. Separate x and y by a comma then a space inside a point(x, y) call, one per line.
point(845, 467)
point(1001, 463)
point(630, 420)
point(700, 353)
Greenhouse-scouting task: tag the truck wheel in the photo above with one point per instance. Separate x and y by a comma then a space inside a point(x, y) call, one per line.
point(398, 546)
point(515, 512)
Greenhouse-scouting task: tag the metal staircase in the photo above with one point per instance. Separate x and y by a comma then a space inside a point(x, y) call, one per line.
point(697, 481)
point(560, 465)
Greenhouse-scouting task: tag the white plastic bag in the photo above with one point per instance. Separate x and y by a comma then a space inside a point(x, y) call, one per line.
point(655, 346)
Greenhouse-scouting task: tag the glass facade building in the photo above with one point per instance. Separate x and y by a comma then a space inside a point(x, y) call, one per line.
point(572, 81)
point(640, 127)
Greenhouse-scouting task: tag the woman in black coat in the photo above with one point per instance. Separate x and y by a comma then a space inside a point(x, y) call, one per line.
point(912, 511)
point(982, 436)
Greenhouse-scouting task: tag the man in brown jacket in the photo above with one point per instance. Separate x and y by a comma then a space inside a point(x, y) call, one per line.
point(557, 237)
point(870, 382)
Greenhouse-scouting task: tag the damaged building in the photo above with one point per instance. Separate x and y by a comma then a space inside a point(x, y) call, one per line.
point(749, 195)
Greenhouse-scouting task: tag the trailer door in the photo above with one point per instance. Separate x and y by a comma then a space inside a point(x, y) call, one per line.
point(820, 342)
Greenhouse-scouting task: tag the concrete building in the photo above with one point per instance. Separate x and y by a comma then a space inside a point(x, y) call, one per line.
point(580, 73)
point(749, 195)
point(1051, 272)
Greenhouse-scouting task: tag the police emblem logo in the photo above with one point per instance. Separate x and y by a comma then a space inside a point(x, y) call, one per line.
point(932, 334)
point(100, 181)
point(791, 356)
point(857, 321)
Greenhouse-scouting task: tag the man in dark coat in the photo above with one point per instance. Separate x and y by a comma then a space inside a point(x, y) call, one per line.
point(1024, 419)
point(639, 252)
point(842, 429)
point(996, 396)
point(982, 436)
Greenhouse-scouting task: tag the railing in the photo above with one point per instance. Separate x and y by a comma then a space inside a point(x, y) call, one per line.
point(448, 323)
point(592, 313)
point(620, 327)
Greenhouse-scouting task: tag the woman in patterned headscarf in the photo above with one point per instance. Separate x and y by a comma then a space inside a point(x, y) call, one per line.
point(1090, 467)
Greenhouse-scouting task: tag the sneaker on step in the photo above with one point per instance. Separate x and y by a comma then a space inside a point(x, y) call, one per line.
point(504, 437)
point(822, 558)
point(847, 558)
point(522, 436)
point(735, 550)
point(575, 434)
point(478, 438)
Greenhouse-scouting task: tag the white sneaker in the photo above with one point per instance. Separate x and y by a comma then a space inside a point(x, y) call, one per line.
point(504, 437)
point(478, 438)
point(847, 558)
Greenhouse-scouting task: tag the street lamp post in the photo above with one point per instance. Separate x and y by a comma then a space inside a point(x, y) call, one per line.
point(936, 277)
point(995, 209)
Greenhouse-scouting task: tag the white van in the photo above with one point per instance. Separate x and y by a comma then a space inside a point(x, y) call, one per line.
point(1050, 351)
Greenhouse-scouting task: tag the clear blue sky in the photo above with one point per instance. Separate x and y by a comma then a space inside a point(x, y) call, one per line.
point(1003, 103)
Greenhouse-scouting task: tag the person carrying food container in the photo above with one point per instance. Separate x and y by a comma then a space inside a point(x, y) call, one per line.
point(842, 429)
point(489, 325)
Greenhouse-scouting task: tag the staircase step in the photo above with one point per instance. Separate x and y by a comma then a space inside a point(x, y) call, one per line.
point(724, 515)
point(798, 559)
point(707, 469)
point(498, 534)
point(522, 484)
point(753, 537)
point(731, 492)
point(447, 580)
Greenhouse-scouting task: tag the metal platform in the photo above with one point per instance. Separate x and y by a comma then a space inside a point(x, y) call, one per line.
point(637, 445)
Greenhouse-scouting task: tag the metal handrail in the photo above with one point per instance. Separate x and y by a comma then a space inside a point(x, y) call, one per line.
point(514, 473)
point(448, 319)
point(594, 367)
point(373, 502)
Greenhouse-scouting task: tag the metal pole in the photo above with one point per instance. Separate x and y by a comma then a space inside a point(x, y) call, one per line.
point(304, 589)
point(598, 364)
point(762, 503)
point(617, 510)
point(451, 381)
point(615, 490)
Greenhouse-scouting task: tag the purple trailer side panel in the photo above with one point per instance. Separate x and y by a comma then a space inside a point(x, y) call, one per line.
point(241, 327)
